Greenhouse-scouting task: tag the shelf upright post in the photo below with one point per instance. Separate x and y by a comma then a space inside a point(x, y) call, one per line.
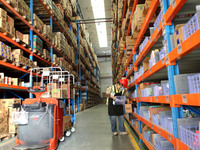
point(31, 43)
point(51, 50)
point(172, 70)
point(138, 105)
point(79, 62)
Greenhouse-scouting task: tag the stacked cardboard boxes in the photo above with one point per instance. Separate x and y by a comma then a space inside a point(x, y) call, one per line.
point(6, 110)
point(37, 23)
point(3, 120)
point(3, 19)
point(5, 51)
point(37, 45)
point(20, 37)
point(67, 122)
point(23, 8)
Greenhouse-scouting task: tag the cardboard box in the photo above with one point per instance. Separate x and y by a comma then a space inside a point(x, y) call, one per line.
point(67, 122)
point(26, 39)
point(128, 108)
point(3, 25)
point(19, 35)
point(64, 94)
point(3, 14)
point(12, 128)
point(8, 102)
point(56, 93)
point(10, 21)
point(14, 81)
point(139, 12)
point(80, 107)
point(178, 35)
point(17, 52)
point(156, 110)
point(1, 75)
point(3, 120)
point(146, 64)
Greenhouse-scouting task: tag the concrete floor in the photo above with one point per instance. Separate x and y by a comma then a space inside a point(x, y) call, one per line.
point(93, 131)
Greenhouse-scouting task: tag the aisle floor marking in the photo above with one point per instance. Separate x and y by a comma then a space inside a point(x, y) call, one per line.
point(134, 143)
point(4, 143)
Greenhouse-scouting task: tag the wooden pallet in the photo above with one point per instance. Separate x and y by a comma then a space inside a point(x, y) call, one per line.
point(22, 43)
point(18, 64)
point(22, 14)
point(38, 53)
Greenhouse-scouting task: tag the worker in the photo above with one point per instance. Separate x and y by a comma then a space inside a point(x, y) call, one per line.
point(116, 111)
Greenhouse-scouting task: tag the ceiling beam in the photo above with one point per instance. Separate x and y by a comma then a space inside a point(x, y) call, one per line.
point(95, 19)
point(94, 22)
point(103, 56)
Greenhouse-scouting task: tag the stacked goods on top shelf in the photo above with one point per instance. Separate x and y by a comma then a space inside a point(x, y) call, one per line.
point(6, 110)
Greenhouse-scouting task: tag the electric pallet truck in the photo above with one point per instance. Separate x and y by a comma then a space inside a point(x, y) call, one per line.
point(45, 122)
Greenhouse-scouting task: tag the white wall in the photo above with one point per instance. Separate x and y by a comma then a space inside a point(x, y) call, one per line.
point(105, 73)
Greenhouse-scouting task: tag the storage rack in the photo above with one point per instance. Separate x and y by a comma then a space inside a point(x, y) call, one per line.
point(28, 27)
point(171, 64)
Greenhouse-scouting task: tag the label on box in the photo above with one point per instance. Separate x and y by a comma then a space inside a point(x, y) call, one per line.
point(184, 98)
point(179, 49)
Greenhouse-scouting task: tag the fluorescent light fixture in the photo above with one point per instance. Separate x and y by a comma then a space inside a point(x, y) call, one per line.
point(98, 8)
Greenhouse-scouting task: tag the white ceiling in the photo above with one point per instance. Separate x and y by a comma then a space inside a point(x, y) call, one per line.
point(87, 13)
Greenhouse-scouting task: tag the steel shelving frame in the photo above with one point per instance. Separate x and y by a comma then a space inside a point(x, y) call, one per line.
point(176, 101)
point(53, 49)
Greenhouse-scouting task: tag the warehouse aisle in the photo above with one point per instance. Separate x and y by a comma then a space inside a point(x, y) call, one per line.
point(93, 132)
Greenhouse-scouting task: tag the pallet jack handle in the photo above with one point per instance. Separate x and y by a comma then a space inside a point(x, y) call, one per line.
point(37, 91)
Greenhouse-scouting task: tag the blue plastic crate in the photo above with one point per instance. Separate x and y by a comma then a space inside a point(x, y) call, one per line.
point(190, 136)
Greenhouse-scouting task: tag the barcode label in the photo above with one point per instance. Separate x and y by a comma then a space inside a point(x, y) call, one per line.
point(179, 49)
point(156, 99)
point(167, 98)
point(184, 98)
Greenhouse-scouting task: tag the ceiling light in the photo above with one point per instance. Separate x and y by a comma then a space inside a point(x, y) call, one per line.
point(98, 8)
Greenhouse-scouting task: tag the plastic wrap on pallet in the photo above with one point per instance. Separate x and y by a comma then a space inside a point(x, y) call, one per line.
point(194, 83)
